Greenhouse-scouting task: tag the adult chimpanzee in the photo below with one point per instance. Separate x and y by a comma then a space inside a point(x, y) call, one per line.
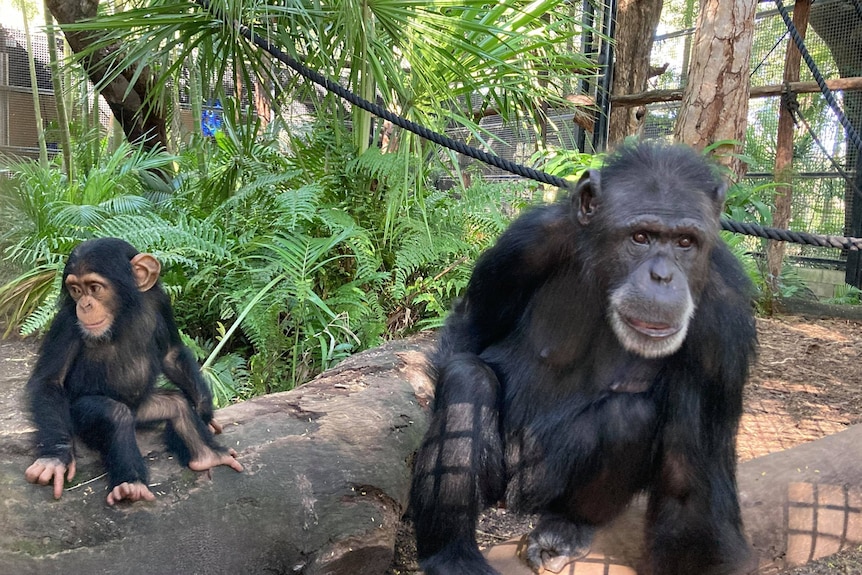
point(97, 368)
point(600, 351)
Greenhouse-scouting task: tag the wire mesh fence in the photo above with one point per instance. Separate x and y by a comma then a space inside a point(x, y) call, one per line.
point(820, 149)
point(18, 134)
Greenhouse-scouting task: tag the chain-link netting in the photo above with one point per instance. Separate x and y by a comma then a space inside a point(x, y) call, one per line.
point(819, 187)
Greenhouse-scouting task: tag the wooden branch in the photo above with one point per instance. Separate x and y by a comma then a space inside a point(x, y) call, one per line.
point(655, 96)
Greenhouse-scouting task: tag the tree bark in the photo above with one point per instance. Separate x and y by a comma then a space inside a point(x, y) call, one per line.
point(715, 102)
point(636, 24)
point(142, 123)
point(784, 151)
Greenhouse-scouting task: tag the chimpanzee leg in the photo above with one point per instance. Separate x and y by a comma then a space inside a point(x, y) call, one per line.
point(108, 426)
point(186, 434)
point(693, 520)
point(459, 468)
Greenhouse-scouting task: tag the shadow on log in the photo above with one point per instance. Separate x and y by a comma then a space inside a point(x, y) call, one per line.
point(326, 481)
point(798, 505)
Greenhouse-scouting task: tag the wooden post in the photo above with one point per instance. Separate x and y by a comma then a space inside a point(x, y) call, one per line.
point(784, 150)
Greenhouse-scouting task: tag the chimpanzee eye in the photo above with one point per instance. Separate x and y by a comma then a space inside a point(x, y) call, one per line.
point(640, 237)
point(95, 289)
point(74, 291)
point(685, 241)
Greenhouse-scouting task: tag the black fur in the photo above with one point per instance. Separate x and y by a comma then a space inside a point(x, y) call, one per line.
point(540, 403)
point(92, 388)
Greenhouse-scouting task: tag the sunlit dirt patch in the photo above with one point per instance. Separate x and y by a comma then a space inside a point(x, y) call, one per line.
point(805, 385)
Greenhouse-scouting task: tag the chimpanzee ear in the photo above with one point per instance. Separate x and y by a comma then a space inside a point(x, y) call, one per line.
point(146, 269)
point(585, 195)
point(720, 194)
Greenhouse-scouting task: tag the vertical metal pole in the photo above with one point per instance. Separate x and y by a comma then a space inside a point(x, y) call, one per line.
point(589, 20)
point(606, 60)
point(853, 269)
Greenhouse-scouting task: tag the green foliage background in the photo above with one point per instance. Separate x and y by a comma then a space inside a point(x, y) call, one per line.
point(287, 246)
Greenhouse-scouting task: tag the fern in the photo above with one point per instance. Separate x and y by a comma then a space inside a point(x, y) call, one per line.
point(299, 205)
point(418, 250)
point(228, 377)
point(45, 312)
point(151, 232)
point(264, 184)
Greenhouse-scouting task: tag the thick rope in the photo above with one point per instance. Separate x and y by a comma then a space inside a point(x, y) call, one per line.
point(750, 229)
point(781, 235)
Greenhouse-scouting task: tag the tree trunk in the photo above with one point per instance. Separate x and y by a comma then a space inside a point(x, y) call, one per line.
point(784, 151)
point(141, 123)
point(326, 481)
point(715, 104)
point(636, 24)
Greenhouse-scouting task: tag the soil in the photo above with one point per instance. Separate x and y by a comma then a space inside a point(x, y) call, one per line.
point(805, 385)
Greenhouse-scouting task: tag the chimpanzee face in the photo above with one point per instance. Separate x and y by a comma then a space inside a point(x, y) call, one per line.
point(104, 279)
point(652, 301)
point(95, 303)
point(653, 234)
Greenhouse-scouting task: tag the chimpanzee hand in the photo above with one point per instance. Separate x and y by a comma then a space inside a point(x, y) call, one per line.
point(48, 470)
point(130, 491)
point(215, 427)
point(556, 542)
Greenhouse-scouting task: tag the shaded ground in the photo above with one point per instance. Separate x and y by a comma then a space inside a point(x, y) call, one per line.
point(807, 384)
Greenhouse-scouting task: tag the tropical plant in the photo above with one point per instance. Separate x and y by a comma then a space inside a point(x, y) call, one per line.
point(438, 63)
point(846, 294)
point(287, 247)
point(46, 215)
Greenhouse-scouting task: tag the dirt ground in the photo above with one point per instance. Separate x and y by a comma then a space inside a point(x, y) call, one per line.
point(806, 384)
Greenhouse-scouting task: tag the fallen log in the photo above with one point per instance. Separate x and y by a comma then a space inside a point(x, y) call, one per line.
point(326, 480)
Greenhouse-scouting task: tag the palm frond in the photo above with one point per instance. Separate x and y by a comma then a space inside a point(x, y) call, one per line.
point(23, 296)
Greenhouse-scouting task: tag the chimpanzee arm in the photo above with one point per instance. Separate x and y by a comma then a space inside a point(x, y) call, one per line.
point(46, 391)
point(695, 520)
point(50, 406)
point(182, 370)
point(178, 362)
point(506, 276)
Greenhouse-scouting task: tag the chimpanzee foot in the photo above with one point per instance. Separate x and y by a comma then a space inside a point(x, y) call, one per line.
point(556, 542)
point(212, 458)
point(460, 557)
point(134, 491)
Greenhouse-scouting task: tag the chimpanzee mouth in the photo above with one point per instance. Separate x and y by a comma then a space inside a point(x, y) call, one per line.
point(95, 326)
point(654, 330)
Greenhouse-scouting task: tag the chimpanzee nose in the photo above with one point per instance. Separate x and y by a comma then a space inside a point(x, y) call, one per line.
point(660, 271)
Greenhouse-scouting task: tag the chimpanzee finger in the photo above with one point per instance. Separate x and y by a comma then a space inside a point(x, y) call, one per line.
point(234, 464)
point(58, 482)
point(33, 472)
point(216, 427)
point(47, 475)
